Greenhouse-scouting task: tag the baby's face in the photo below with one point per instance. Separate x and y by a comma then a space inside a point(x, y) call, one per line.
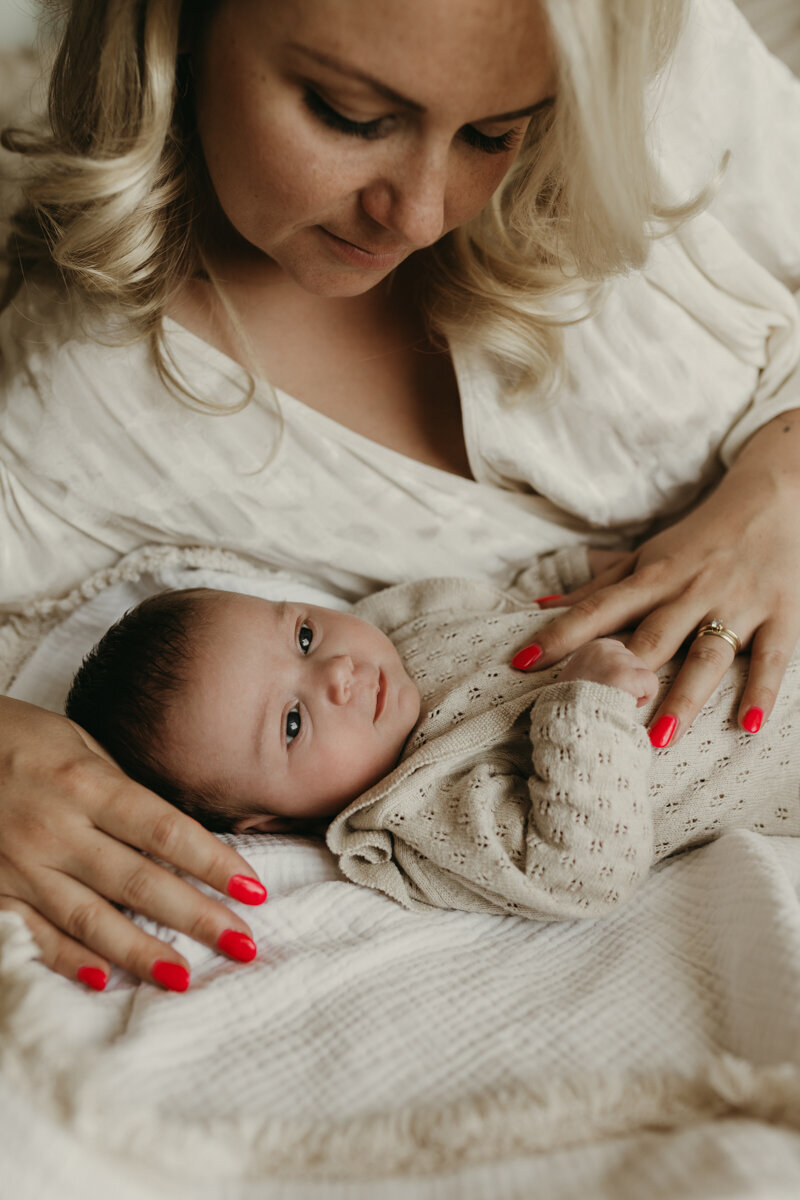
point(292, 709)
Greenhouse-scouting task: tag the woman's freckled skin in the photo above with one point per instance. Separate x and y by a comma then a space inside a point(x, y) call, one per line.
point(282, 176)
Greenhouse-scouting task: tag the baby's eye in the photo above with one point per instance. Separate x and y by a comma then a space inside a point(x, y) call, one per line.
point(305, 637)
point(292, 724)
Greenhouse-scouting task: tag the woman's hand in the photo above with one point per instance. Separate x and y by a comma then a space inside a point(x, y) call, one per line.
point(71, 826)
point(735, 557)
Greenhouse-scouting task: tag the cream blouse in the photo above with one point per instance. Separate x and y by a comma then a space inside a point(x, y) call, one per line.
point(684, 360)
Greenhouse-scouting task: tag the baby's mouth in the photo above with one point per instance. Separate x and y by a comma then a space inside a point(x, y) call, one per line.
point(380, 699)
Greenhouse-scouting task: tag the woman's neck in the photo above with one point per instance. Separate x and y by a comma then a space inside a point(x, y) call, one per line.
point(364, 361)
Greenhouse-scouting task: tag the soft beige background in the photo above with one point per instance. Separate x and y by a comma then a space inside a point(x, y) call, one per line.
point(18, 19)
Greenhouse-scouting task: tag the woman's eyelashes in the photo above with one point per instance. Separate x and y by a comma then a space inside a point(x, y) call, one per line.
point(382, 126)
point(491, 145)
point(335, 120)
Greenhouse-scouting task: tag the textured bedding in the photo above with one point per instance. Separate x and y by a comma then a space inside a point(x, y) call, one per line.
point(371, 1050)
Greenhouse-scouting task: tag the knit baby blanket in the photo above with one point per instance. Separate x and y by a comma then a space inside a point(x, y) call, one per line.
point(519, 794)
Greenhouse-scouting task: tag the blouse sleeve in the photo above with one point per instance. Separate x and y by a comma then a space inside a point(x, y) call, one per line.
point(392, 609)
point(45, 546)
point(726, 105)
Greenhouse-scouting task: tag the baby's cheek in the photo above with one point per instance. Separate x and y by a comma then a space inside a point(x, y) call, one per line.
point(409, 707)
point(353, 766)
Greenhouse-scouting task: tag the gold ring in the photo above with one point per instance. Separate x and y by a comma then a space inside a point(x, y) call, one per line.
point(715, 628)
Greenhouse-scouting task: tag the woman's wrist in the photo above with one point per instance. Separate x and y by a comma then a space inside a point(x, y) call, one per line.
point(772, 453)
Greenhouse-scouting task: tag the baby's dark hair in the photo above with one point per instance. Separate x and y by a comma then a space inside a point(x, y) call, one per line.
point(126, 685)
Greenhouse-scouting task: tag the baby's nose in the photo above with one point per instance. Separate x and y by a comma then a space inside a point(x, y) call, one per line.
point(340, 679)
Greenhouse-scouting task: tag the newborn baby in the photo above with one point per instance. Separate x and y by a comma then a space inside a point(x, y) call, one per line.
point(445, 776)
point(263, 716)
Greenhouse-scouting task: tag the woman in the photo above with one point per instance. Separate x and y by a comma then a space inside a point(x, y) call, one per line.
point(510, 294)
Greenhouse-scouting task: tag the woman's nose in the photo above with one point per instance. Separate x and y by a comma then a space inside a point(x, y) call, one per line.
point(339, 679)
point(410, 200)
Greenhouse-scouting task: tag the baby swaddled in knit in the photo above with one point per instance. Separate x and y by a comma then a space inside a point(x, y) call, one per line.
point(519, 794)
point(478, 786)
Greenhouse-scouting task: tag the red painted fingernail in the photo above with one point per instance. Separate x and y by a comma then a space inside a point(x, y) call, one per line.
point(248, 890)
point(93, 977)
point(544, 599)
point(237, 945)
point(662, 731)
point(170, 975)
point(752, 719)
point(527, 657)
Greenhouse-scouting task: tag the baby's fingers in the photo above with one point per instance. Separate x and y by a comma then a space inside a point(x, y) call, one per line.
point(645, 686)
point(57, 950)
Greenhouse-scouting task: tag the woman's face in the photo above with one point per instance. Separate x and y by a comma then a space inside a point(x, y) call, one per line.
point(343, 135)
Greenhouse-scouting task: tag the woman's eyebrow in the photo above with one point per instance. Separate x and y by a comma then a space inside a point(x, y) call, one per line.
point(336, 64)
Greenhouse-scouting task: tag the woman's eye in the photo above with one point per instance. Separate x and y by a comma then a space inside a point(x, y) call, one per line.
point(382, 126)
point(335, 120)
point(293, 724)
point(491, 145)
point(305, 637)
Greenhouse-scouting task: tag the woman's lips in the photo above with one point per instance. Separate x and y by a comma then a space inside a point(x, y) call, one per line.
point(380, 699)
point(377, 260)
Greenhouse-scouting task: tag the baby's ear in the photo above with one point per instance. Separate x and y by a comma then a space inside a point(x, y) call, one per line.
point(264, 823)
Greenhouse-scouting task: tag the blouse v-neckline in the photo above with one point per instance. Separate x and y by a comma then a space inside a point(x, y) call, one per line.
point(364, 446)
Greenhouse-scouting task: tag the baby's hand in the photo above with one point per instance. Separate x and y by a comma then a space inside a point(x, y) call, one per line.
point(607, 661)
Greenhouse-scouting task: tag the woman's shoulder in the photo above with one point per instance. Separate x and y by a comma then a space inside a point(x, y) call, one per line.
point(54, 345)
point(722, 91)
point(44, 329)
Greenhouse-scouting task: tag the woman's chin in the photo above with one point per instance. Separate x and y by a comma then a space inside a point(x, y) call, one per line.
point(314, 264)
point(334, 282)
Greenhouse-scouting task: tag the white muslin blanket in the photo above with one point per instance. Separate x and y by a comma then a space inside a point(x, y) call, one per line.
point(370, 1051)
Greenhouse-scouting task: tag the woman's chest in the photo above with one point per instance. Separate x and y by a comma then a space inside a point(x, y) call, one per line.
point(389, 386)
point(371, 367)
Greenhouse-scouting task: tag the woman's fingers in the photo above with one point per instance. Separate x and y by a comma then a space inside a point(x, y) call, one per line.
point(600, 613)
point(663, 632)
point(772, 647)
point(733, 556)
point(663, 628)
point(127, 878)
point(707, 660)
point(58, 951)
point(72, 824)
point(607, 566)
point(89, 921)
point(134, 815)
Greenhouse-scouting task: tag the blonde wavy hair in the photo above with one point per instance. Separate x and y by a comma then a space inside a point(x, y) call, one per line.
point(113, 205)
